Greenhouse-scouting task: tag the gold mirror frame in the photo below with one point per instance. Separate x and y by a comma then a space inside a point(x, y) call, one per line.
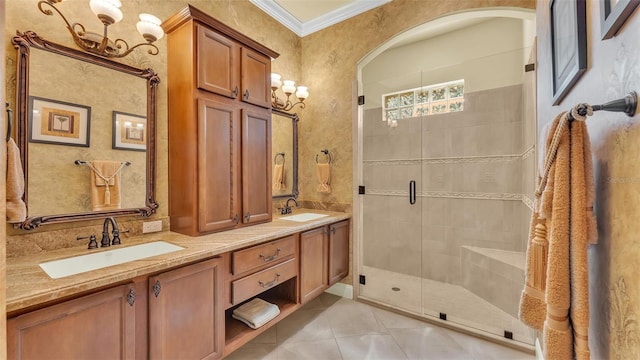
point(294, 123)
point(23, 42)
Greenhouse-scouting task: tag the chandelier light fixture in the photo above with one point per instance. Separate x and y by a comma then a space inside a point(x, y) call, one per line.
point(288, 88)
point(109, 13)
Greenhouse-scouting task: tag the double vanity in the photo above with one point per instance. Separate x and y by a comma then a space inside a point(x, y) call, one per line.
point(177, 304)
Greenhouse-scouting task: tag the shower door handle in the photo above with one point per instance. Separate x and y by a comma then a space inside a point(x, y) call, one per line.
point(412, 192)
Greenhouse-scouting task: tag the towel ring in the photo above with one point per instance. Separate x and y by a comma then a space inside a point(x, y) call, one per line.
point(275, 158)
point(327, 154)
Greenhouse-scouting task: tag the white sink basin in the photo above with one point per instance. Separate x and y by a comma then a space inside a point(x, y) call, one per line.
point(83, 263)
point(303, 217)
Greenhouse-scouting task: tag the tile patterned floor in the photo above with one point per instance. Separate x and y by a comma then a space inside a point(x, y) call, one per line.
point(331, 327)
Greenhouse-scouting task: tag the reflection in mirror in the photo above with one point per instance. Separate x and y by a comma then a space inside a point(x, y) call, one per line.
point(76, 108)
point(284, 148)
point(62, 186)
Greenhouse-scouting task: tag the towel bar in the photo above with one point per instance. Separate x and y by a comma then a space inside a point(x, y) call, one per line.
point(627, 105)
point(327, 154)
point(82, 162)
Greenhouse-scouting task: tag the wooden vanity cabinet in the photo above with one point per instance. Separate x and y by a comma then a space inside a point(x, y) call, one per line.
point(314, 252)
point(185, 313)
point(219, 125)
point(338, 251)
point(226, 67)
point(103, 323)
point(324, 258)
point(186, 317)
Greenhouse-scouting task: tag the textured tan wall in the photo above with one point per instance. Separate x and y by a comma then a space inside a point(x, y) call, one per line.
point(613, 262)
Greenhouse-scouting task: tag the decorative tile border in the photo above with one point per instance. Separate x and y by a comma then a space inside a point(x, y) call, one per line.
point(529, 152)
point(452, 160)
point(455, 160)
point(457, 195)
point(448, 194)
point(527, 201)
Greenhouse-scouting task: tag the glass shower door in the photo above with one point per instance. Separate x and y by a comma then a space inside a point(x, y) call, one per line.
point(392, 212)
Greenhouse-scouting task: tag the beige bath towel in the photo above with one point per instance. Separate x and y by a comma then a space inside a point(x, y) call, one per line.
point(256, 313)
point(16, 208)
point(324, 177)
point(105, 185)
point(278, 177)
point(555, 299)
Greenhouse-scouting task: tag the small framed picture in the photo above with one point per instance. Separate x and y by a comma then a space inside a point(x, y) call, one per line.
point(129, 132)
point(58, 122)
point(568, 45)
point(613, 14)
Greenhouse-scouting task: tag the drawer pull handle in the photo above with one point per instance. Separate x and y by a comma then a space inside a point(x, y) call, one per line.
point(270, 283)
point(270, 258)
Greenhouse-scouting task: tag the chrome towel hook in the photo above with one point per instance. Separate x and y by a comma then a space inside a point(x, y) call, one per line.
point(327, 154)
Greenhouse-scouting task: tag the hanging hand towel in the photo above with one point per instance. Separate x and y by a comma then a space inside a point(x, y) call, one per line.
point(256, 313)
point(324, 178)
point(105, 185)
point(555, 299)
point(278, 177)
point(16, 208)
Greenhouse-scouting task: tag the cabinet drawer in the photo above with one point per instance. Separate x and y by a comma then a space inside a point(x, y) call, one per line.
point(256, 256)
point(252, 285)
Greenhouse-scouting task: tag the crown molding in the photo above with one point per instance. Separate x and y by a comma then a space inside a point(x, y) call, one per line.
point(303, 29)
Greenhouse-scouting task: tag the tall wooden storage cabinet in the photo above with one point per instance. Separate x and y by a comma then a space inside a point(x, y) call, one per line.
point(219, 125)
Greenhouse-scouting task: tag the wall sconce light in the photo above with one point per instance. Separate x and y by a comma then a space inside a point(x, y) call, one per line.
point(108, 11)
point(288, 88)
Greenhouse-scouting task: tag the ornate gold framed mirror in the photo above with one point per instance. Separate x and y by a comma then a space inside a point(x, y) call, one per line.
point(284, 148)
point(113, 119)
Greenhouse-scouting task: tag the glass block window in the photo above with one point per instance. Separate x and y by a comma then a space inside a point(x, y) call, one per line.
point(427, 100)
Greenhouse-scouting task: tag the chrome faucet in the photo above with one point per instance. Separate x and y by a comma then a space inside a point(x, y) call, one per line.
point(287, 209)
point(106, 240)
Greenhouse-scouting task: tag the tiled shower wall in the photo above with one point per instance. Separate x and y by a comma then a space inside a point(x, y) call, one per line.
point(468, 167)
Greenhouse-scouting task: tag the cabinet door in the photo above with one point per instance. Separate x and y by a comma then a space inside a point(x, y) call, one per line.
point(218, 165)
point(96, 326)
point(338, 251)
point(313, 263)
point(256, 78)
point(256, 165)
point(186, 319)
point(218, 63)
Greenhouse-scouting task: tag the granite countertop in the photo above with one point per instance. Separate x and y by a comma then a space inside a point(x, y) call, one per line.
point(28, 285)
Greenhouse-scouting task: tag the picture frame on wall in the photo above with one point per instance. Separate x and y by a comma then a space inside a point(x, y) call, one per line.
point(613, 14)
point(568, 23)
point(129, 132)
point(58, 122)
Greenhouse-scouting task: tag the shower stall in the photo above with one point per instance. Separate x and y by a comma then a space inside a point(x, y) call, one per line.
point(447, 168)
